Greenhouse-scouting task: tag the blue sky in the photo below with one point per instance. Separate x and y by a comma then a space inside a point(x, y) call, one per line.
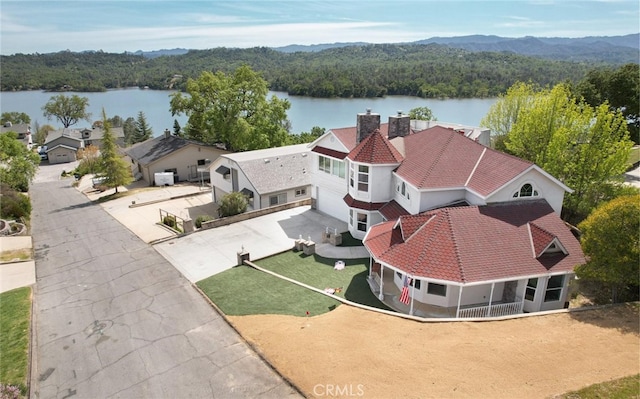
point(117, 26)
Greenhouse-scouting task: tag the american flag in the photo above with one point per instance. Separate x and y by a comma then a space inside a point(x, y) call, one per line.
point(404, 297)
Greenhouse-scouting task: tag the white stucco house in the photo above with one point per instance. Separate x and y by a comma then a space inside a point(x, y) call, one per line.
point(431, 205)
point(268, 177)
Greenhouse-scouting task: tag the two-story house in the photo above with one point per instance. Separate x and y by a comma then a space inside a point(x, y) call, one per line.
point(432, 204)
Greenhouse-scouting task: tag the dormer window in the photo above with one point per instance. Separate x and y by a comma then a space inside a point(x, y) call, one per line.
point(526, 190)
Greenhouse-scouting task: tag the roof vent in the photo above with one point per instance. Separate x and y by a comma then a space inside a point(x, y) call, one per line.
point(304, 154)
point(266, 160)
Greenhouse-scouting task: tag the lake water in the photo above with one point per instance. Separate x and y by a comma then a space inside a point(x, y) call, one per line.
point(305, 112)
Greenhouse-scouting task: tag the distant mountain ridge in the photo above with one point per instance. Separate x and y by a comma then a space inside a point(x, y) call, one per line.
point(608, 49)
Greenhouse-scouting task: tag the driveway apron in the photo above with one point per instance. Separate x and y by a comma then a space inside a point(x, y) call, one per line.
point(114, 319)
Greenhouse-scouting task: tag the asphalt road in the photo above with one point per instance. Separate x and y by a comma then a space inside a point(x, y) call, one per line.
point(114, 319)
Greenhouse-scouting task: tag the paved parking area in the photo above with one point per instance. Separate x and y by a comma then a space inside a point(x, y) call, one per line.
point(209, 252)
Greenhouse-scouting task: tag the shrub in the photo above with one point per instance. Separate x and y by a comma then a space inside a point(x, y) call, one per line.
point(202, 218)
point(233, 203)
point(14, 205)
point(170, 221)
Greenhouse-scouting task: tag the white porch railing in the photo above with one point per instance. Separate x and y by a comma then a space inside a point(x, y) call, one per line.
point(501, 309)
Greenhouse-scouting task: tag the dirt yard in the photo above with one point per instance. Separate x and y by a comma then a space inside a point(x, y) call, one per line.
point(354, 353)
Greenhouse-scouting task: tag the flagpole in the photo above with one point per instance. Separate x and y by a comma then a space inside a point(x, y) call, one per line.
point(413, 294)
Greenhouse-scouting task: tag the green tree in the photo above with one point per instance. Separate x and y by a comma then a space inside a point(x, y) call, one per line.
point(232, 109)
point(504, 113)
point(19, 165)
point(620, 88)
point(422, 114)
point(129, 129)
point(41, 133)
point(233, 203)
point(611, 240)
point(15, 118)
point(142, 131)
point(112, 167)
point(177, 130)
point(586, 148)
point(306, 137)
point(67, 110)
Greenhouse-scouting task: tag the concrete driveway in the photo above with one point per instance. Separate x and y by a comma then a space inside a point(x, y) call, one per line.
point(209, 252)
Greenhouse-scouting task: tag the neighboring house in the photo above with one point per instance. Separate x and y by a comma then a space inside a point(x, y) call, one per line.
point(90, 136)
point(267, 177)
point(23, 130)
point(188, 160)
point(374, 174)
point(63, 149)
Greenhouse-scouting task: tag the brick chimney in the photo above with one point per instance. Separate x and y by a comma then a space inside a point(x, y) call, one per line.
point(399, 125)
point(366, 124)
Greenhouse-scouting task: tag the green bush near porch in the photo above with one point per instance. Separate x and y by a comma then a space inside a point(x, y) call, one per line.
point(243, 290)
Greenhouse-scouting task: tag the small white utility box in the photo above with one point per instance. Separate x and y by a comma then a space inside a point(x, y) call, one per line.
point(163, 179)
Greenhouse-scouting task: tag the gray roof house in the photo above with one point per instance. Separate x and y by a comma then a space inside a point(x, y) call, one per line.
point(23, 130)
point(267, 177)
point(90, 136)
point(186, 159)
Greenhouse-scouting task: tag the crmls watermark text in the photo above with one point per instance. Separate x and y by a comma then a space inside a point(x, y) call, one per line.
point(338, 390)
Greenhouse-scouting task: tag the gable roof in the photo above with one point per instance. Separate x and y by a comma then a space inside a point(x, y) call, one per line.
point(474, 243)
point(347, 135)
point(375, 149)
point(275, 169)
point(92, 133)
point(439, 157)
point(156, 148)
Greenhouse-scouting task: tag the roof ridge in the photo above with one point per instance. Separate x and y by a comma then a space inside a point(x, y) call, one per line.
point(455, 244)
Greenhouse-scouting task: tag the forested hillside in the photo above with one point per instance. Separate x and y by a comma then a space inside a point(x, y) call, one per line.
point(430, 70)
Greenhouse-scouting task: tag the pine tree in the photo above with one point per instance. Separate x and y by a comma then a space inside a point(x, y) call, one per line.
point(177, 130)
point(143, 131)
point(112, 167)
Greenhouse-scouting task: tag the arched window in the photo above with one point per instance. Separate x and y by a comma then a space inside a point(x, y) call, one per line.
point(526, 190)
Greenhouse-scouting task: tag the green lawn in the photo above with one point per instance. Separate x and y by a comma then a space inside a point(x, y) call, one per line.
point(243, 290)
point(623, 388)
point(15, 316)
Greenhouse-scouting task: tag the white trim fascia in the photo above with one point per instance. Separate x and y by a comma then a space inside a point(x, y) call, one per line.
point(533, 247)
point(326, 134)
point(558, 243)
point(539, 169)
point(475, 167)
point(472, 284)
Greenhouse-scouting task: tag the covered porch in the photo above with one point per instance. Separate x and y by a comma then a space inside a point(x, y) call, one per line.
point(483, 300)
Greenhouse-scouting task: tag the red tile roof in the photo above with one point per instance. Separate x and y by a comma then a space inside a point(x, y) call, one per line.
point(329, 152)
point(439, 157)
point(392, 210)
point(375, 149)
point(347, 135)
point(540, 238)
point(474, 243)
point(367, 206)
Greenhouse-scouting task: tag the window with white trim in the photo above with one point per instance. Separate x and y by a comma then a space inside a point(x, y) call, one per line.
point(437, 289)
point(362, 221)
point(300, 192)
point(530, 292)
point(363, 178)
point(350, 217)
point(554, 288)
point(527, 190)
point(331, 166)
point(278, 199)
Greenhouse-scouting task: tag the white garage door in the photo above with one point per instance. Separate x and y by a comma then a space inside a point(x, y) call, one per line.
point(332, 204)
